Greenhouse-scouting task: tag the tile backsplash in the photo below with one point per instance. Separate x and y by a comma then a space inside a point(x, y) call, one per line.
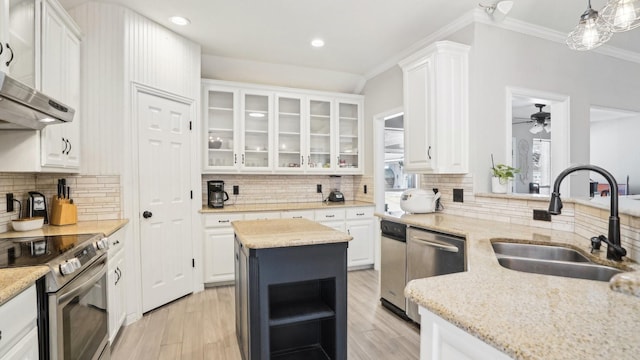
point(97, 197)
point(265, 189)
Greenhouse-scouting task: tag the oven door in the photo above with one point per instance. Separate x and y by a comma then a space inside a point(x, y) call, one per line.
point(79, 317)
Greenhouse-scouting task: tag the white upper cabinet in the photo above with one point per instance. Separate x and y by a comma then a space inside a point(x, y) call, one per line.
point(19, 45)
point(221, 127)
point(45, 46)
point(259, 129)
point(436, 109)
point(61, 80)
point(289, 143)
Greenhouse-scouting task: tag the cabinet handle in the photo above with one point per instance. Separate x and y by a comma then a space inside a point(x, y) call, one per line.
point(329, 216)
point(116, 242)
point(117, 276)
point(1, 48)
point(68, 142)
point(297, 217)
point(235, 158)
point(242, 159)
point(359, 214)
point(11, 59)
point(223, 221)
point(301, 160)
point(64, 141)
point(349, 231)
point(429, 152)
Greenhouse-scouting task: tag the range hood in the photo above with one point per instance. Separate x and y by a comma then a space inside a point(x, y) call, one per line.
point(23, 108)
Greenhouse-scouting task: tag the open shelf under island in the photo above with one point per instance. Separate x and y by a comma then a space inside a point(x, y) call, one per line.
point(291, 290)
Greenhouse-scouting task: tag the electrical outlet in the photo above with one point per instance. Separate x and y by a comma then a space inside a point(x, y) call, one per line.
point(319, 188)
point(10, 202)
point(458, 195)
point(236, 189)
point(542, 215)
point(365, 189)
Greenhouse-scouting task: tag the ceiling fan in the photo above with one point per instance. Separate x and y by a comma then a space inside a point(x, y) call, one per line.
point(541, 120)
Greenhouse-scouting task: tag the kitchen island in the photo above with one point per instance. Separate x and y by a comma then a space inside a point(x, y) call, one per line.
point(525, 315)
point(291, 289)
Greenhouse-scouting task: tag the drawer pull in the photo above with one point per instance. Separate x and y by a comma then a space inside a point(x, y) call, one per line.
point(223, 221)
point(297, 217)
point(329, 216)
point(359, 214)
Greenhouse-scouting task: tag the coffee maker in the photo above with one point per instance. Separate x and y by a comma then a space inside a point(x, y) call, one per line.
point(37, 206)
point(216, 196)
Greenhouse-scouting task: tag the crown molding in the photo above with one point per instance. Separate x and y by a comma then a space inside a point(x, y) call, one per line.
point(479, 16)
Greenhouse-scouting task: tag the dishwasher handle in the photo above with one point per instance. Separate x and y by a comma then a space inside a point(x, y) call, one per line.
point(436, 244)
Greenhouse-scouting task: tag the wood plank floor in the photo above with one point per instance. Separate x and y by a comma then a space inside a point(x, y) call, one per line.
point(202, 326)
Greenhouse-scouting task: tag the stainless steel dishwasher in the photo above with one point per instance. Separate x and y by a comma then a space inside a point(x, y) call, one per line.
point(431, 254)
point(393, 266)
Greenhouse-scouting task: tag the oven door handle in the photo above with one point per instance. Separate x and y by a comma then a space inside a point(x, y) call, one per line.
point(85, 285)
point(435, 244)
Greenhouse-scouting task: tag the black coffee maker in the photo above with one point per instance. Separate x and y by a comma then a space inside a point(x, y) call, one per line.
point(216, 196)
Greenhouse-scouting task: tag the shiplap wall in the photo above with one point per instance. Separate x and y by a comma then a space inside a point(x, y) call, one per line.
point(119, 47)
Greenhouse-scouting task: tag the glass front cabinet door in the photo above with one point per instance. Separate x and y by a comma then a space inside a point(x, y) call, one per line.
point(221, 128)
point(289, 128)
point(349, 130)
point(256, 139)
point(320, 156)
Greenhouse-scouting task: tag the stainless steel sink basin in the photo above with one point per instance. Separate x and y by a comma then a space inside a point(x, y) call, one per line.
point(542, 252)
point(579, 270)
point(550, 260)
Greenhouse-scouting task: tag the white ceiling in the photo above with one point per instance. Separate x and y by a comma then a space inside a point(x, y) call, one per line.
point(360, 35)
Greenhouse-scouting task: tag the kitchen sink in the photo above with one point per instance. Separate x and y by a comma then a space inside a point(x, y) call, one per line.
point(542, 252)
point(550, 260)
point(578, 270)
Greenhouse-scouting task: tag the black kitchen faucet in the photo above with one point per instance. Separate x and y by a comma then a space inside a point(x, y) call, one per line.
point(614, 249)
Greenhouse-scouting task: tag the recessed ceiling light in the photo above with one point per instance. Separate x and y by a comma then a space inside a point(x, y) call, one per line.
point(317, 43)
point(179, 20)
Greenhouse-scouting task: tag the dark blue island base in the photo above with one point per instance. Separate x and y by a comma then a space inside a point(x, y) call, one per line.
point(291, 302)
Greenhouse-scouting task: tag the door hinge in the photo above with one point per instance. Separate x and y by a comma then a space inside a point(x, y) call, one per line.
point(191, 194)
point(190, 125)
point(193, 262)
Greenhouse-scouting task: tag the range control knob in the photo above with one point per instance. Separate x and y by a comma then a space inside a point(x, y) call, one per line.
point(103, 243)
point(68, 267)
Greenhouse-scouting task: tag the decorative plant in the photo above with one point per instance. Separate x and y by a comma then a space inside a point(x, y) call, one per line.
point(503, 172)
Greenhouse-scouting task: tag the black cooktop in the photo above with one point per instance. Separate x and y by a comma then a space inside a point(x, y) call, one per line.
point(38, 250)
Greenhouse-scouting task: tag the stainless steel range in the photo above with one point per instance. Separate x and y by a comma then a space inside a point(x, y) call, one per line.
point(72, 298)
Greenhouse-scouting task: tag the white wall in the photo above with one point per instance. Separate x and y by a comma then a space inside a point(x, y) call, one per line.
point(503, 58)
point(614, 146)
point(221, 68)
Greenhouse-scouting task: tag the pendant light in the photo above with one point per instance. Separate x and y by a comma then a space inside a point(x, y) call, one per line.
point(622, 15)
point(591, 32)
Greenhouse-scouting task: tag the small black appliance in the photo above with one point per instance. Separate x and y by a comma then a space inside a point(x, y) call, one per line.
point(37, 206)
point(336, 196)
point(216, 196)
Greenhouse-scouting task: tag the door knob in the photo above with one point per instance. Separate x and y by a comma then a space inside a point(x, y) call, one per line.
point(147, 214)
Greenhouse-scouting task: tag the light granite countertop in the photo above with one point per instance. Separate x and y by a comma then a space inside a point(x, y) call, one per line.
point(262, 234)
point(284, 206)
point(528, 316)
point(14, 280)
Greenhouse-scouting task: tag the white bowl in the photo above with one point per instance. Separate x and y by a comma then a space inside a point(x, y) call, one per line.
point(27, 224)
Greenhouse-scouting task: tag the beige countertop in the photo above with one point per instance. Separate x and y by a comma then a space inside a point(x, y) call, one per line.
point(284, 206)
point(106, 227)
point(528, 316)
point(14, 280)
point(261, 234)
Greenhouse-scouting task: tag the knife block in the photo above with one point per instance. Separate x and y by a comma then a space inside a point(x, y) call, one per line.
point(63, 212)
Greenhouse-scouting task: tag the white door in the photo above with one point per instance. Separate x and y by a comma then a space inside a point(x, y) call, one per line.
point(164, 187)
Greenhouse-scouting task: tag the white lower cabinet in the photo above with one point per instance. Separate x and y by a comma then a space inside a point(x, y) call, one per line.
point(218, 243)
point(116, 295)
point(441, 340)
point(219, 264)
point(18, 328)
point(359, 224)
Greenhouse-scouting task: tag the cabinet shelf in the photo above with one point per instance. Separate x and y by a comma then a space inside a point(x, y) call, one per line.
point(220, 130)
point(288, 114)
point(308, 353)
point(289, 133)
point(319, 135)
point(348, 136)
point(256, 132)
point(219, 108)
point(348, 118)
point(294, 312)
point(220, 150)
